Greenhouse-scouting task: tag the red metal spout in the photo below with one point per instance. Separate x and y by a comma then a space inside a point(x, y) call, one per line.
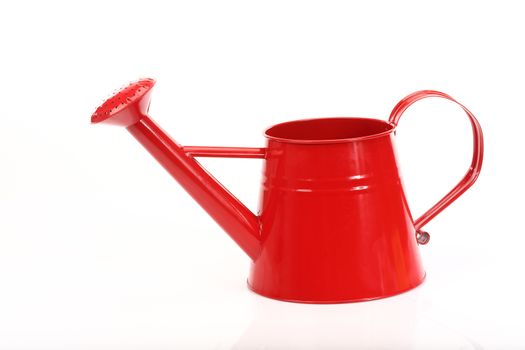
point(129, 108)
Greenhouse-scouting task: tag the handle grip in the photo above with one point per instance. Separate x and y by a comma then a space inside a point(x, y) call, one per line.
point(472, 173)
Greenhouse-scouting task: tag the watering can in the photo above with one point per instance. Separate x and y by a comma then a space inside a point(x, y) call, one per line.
point(333, 224)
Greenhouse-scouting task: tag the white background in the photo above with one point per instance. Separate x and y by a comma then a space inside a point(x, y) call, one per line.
point(100, 248)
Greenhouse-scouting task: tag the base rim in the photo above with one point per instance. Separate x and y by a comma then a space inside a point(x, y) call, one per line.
point(342, 301)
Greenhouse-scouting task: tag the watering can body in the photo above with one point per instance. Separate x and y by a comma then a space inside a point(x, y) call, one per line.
point(333, 223)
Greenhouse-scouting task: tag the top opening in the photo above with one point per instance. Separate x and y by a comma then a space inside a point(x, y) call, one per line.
point(329, 130)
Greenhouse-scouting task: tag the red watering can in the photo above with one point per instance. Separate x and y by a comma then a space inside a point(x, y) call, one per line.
point(333, 224)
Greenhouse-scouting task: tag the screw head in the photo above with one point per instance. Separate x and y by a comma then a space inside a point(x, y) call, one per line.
point(422, 237)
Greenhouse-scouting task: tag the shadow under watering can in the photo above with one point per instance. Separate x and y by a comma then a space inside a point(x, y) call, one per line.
point(333, 224)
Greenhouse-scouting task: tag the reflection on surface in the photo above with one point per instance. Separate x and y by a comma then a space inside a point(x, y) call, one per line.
point(393, 323)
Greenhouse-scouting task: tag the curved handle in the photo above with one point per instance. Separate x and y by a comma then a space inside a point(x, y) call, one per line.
point(472, 173)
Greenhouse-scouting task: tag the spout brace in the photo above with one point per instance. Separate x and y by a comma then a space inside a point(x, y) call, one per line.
point(229, 152)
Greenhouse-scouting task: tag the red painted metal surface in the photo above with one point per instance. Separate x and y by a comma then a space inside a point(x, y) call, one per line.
point(333, 223)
